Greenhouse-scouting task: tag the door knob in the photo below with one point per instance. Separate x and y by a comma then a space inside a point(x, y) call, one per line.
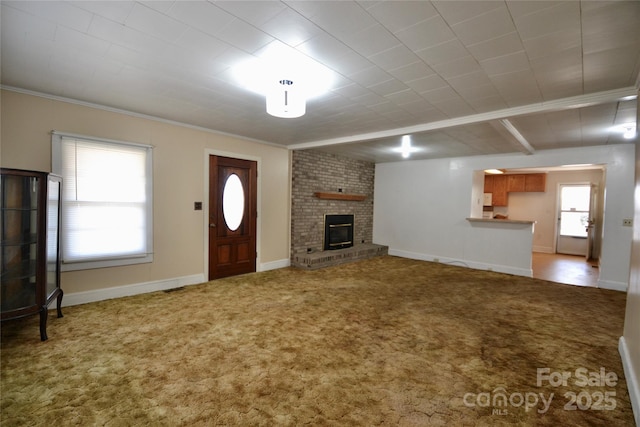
point(212, 225)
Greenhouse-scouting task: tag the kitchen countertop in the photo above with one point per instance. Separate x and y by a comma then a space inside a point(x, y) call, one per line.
point(501, 221)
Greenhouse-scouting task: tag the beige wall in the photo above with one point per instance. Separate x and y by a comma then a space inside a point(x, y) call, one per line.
point(179, 180)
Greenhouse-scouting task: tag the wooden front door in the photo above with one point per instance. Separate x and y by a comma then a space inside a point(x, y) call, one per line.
point(232, 216)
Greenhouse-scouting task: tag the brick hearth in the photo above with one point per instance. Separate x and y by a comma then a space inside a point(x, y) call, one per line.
point(315, 171)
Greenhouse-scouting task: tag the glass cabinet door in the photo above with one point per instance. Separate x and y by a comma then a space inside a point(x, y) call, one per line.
point(19, 225)
point(53, 223)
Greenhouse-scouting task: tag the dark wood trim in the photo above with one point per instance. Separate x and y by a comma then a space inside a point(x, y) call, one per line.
point(339, 196)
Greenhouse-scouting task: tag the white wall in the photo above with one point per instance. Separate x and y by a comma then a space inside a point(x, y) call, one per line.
point(420, 209)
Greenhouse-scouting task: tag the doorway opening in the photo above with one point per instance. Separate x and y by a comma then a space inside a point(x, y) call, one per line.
point(576, 223)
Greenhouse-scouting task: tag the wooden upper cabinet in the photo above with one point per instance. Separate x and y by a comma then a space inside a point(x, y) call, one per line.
point(499, 192)
point(515, 183)
point(488, 183)
point(501, 185)
point(535, 182)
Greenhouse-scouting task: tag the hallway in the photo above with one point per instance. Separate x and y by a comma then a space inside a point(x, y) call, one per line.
point(569, 269)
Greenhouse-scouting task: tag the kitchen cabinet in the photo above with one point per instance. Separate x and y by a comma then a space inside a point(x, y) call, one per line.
point(501, 185)
point(499, 193)
point(535, 182)
point(515, 183)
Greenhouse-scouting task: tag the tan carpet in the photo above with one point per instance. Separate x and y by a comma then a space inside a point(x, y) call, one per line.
point(386, 341)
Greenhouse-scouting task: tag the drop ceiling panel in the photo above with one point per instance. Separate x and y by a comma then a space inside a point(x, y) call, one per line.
point(396, 65)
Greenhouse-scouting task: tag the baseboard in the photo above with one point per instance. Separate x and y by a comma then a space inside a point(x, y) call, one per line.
point(614, 286)
point(543, 249)
point(632, 379)
point(128, 290)
point(274, 265)
point(526, 272)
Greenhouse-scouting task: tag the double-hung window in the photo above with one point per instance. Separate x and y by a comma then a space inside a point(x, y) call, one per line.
point(106, 201)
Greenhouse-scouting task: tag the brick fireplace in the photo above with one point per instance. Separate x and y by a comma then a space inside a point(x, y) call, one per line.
point(327, 184)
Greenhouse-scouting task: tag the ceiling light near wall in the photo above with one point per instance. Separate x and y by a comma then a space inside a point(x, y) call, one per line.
point(286, 78)
point(494, 171)
point(628, 130)
point(406, 149)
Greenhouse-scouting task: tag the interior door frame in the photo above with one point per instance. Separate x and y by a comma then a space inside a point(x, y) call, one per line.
point(205, 203)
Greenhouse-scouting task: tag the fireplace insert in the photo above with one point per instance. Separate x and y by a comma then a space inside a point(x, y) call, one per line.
point(338, 232)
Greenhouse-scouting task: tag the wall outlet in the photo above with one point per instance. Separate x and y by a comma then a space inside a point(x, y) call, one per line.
point(627, 222)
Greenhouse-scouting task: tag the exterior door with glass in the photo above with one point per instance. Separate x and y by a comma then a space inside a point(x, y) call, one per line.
point(574, 219)
point(232, 216)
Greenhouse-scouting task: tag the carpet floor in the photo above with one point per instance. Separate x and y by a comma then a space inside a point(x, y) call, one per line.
point(385, 341)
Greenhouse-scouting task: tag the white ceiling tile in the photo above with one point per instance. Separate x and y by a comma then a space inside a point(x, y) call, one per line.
point(396, 18)
point(521, 8)
point(371, 40)
point(475, 79)
point(117, 11)
point(197, 41)
point(253, 12)
point(73, 39)
point(440, 94)
point(519, 88)
point(65, 14)
point(561, 17)
point(17, 24)
point(388, 87)
point(503, 45)
point(394, 57)
point(457, 67)
point(487, 26)
point(202, 15)
point(290, 27)
point(506, 64)
point(432, 32)
point(370, 76)
point(427, 83)
point(124, 36)
point(458, 11)
point(337, 18)
point(442, 53)
point(478, 92)
point(244, 36)
point(406, 96)
point(551, 43)
point(326, 49)
point(154, 23)
point(412, 71)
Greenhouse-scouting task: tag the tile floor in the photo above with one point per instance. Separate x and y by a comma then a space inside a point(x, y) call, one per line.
point(570, 269)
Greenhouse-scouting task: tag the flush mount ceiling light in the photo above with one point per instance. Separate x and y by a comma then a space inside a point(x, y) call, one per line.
point(494, 171)
point(628, 130)
point(406, 149)
point(286, 78)
point(285, 101)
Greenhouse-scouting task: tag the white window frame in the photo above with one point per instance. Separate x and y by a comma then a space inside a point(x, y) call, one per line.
point(56, 166)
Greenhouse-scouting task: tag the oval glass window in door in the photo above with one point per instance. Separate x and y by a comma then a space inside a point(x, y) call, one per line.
point(233, 202)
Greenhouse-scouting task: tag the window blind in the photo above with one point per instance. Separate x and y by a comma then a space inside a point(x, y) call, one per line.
point(106, 200)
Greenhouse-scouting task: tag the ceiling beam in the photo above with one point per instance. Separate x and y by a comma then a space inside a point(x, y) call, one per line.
point(517, 136)
point(570, 103)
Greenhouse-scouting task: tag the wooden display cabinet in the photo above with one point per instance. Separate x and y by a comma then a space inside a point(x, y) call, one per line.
point(29, 231)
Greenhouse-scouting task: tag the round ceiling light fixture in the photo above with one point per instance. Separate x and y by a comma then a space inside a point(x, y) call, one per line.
point(285, 100)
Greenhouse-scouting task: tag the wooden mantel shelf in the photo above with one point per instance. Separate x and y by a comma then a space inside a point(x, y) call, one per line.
point(339, 196)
